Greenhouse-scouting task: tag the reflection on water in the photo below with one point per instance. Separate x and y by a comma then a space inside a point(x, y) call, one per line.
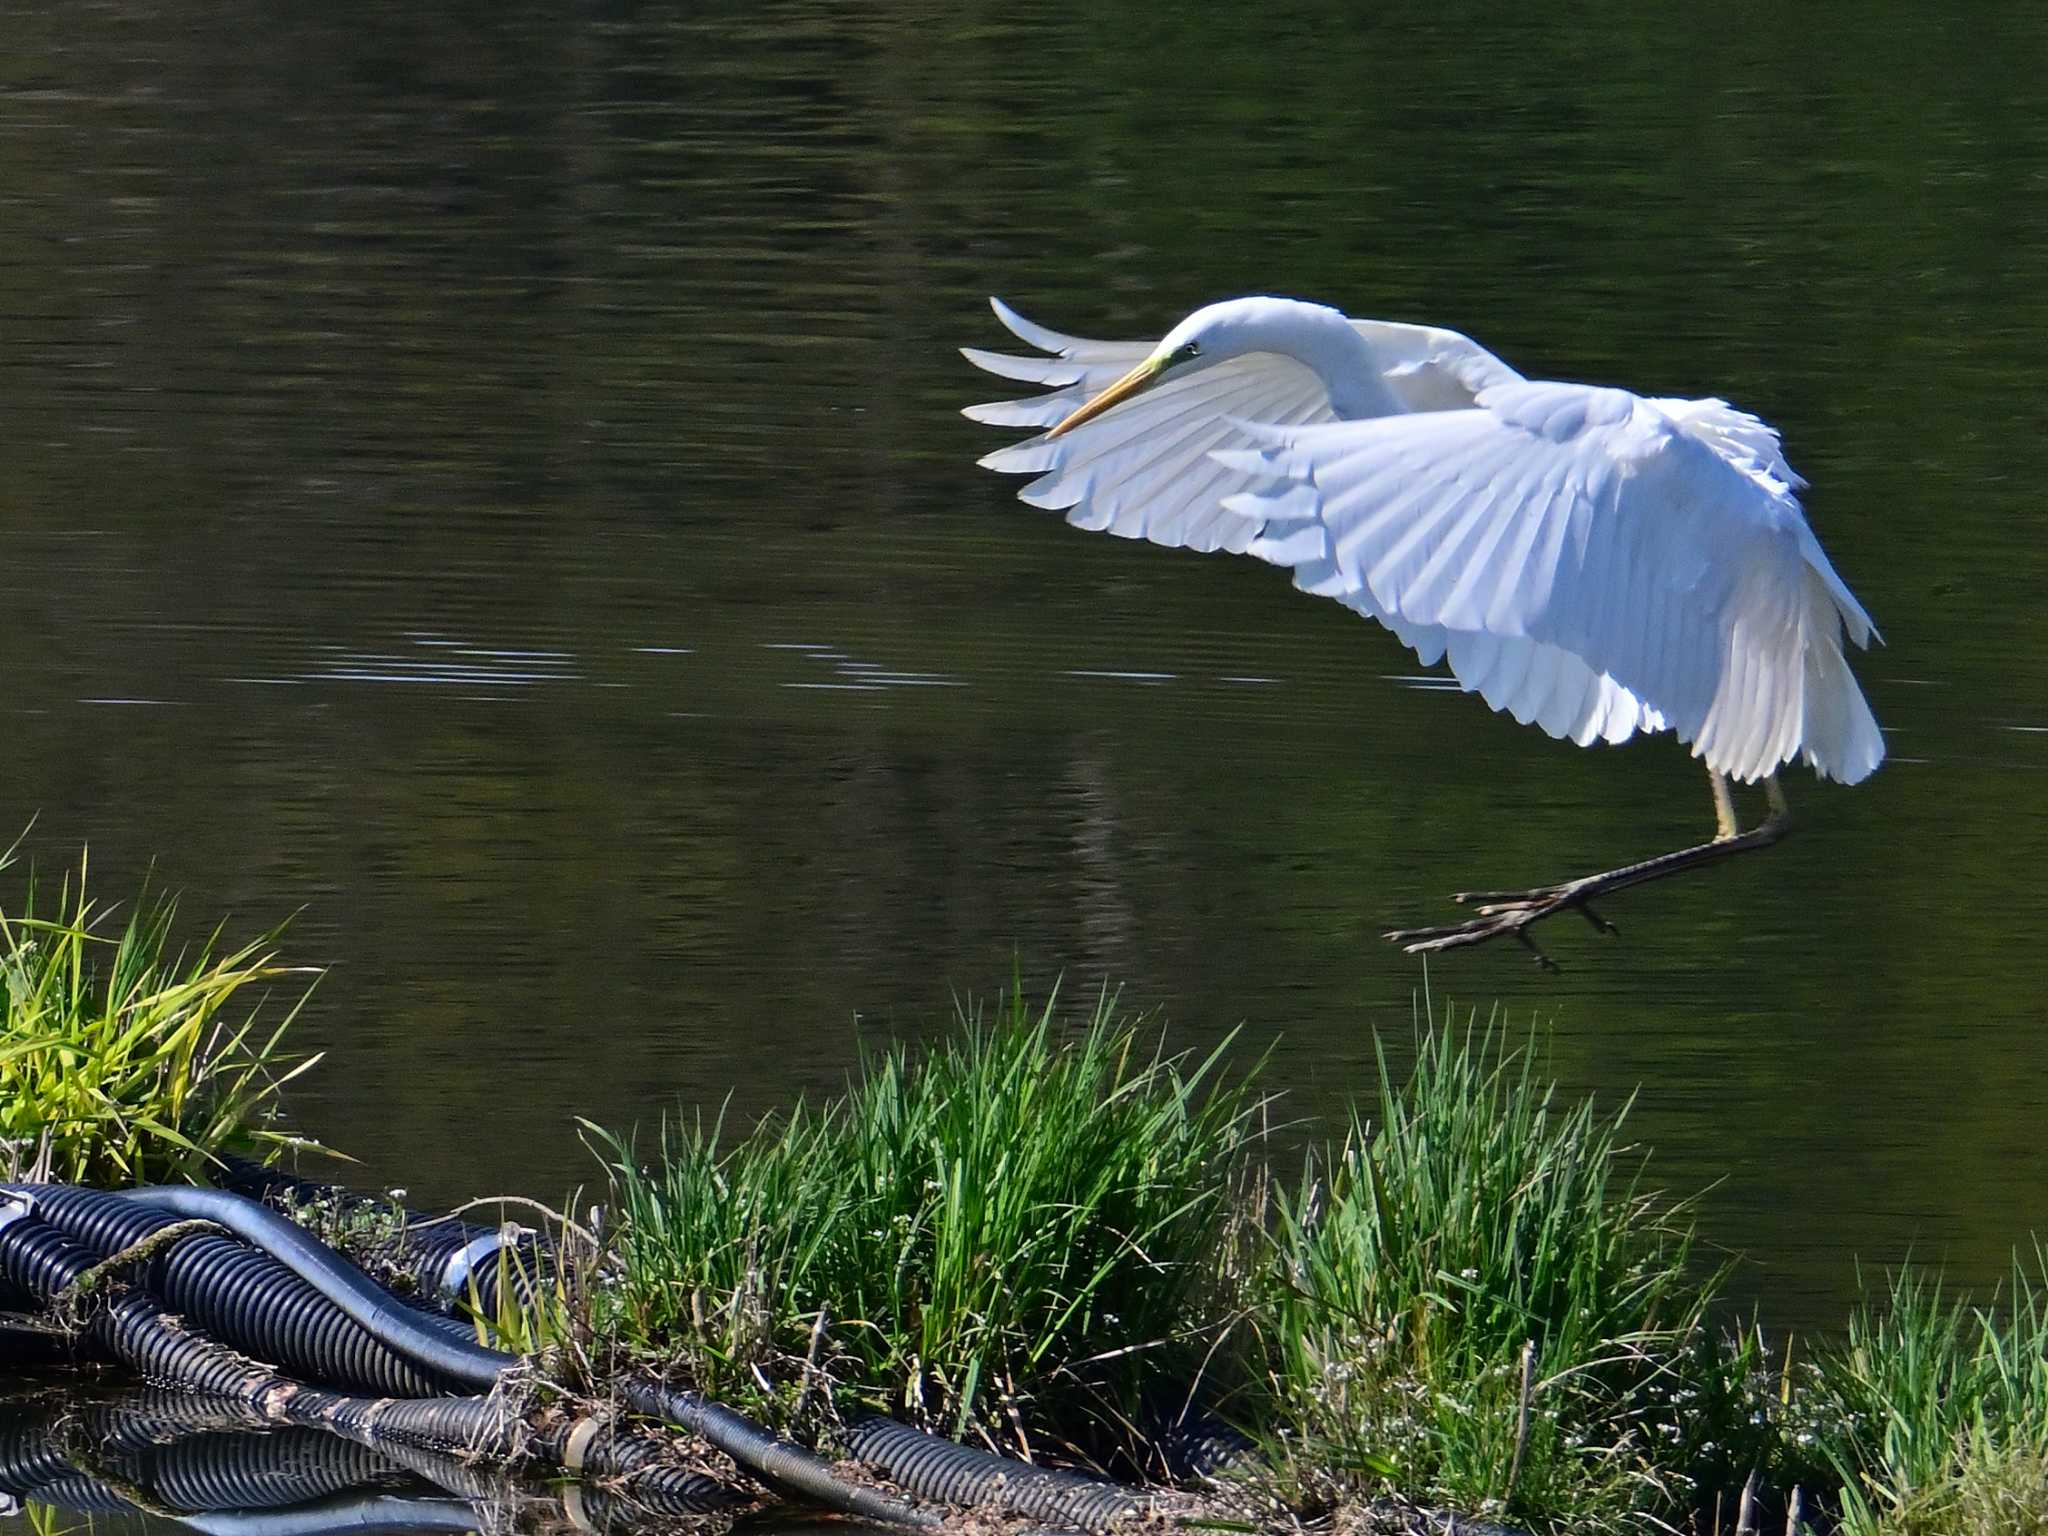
point(488, 482)
point(157, 1460)
point(446, 663)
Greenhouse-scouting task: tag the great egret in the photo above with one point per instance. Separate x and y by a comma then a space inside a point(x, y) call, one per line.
point(1596, 562)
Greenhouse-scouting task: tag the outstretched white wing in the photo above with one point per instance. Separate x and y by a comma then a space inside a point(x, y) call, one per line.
point(1143, 470)
point(1585, 550)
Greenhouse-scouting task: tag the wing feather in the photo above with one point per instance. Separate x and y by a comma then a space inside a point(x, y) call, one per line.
point(1513, 677)
point(1166, 488)
point(1054, 373)
point(1117, 354)
point(1142, 471)
point(1588, 523)
point(1552, 696)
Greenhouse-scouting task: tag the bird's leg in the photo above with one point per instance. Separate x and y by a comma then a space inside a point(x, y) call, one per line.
point(1505, 913)
point(1724, 806)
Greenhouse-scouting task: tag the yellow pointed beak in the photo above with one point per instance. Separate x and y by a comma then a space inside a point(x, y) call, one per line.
point(1130, 384)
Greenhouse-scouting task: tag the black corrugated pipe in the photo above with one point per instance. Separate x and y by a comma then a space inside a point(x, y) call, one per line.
point(44, 1262)
point(444, 1262)
point(483, 1425)
point(405, 1329)
point(935, 1468)
point(441, 1256)
point(780, 1462)
point(40, 1260)
point(454, 1472)
point(240, 1294)
point(135, 1329)
point(21, 1346)
point(37, 1260)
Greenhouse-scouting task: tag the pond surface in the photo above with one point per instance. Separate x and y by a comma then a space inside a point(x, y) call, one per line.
point(486, 483)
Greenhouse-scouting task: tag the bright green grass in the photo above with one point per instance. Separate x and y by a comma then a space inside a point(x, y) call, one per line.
point(1017, 1233)
point(1027, 1235)
point(1477, 1302)
point(125, 1060)
point(1045, 1237)
point(1934, 1413)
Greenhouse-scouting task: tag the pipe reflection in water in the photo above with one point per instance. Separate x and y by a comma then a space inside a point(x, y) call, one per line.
point(172, 1459)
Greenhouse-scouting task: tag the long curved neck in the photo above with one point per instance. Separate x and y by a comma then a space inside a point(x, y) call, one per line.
point(1321, 339)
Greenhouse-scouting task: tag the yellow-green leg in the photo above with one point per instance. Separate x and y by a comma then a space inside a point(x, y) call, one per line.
point(1724, 807)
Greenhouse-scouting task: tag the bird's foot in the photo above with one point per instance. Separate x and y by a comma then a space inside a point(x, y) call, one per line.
point(1502, 914)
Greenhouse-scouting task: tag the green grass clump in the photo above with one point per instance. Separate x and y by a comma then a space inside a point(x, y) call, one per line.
point(124, 1060)
point(1477, 1303)
point(1015, 1234)
point(1934, 1413)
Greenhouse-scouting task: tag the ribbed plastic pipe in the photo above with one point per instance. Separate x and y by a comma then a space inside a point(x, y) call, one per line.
point(935, 1468)
point(389, 1321)
point(779, 1462)
point(240, 1295)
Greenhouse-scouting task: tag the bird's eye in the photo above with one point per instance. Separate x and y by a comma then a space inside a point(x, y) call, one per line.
point(1191, 351)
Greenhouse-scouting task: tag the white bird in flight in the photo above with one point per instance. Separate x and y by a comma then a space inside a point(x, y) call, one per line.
point(1591, 561)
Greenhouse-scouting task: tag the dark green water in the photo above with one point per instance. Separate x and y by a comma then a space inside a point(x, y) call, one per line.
point(459, 458)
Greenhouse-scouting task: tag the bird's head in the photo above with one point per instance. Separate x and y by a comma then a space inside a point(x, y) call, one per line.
point(1213, 334)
